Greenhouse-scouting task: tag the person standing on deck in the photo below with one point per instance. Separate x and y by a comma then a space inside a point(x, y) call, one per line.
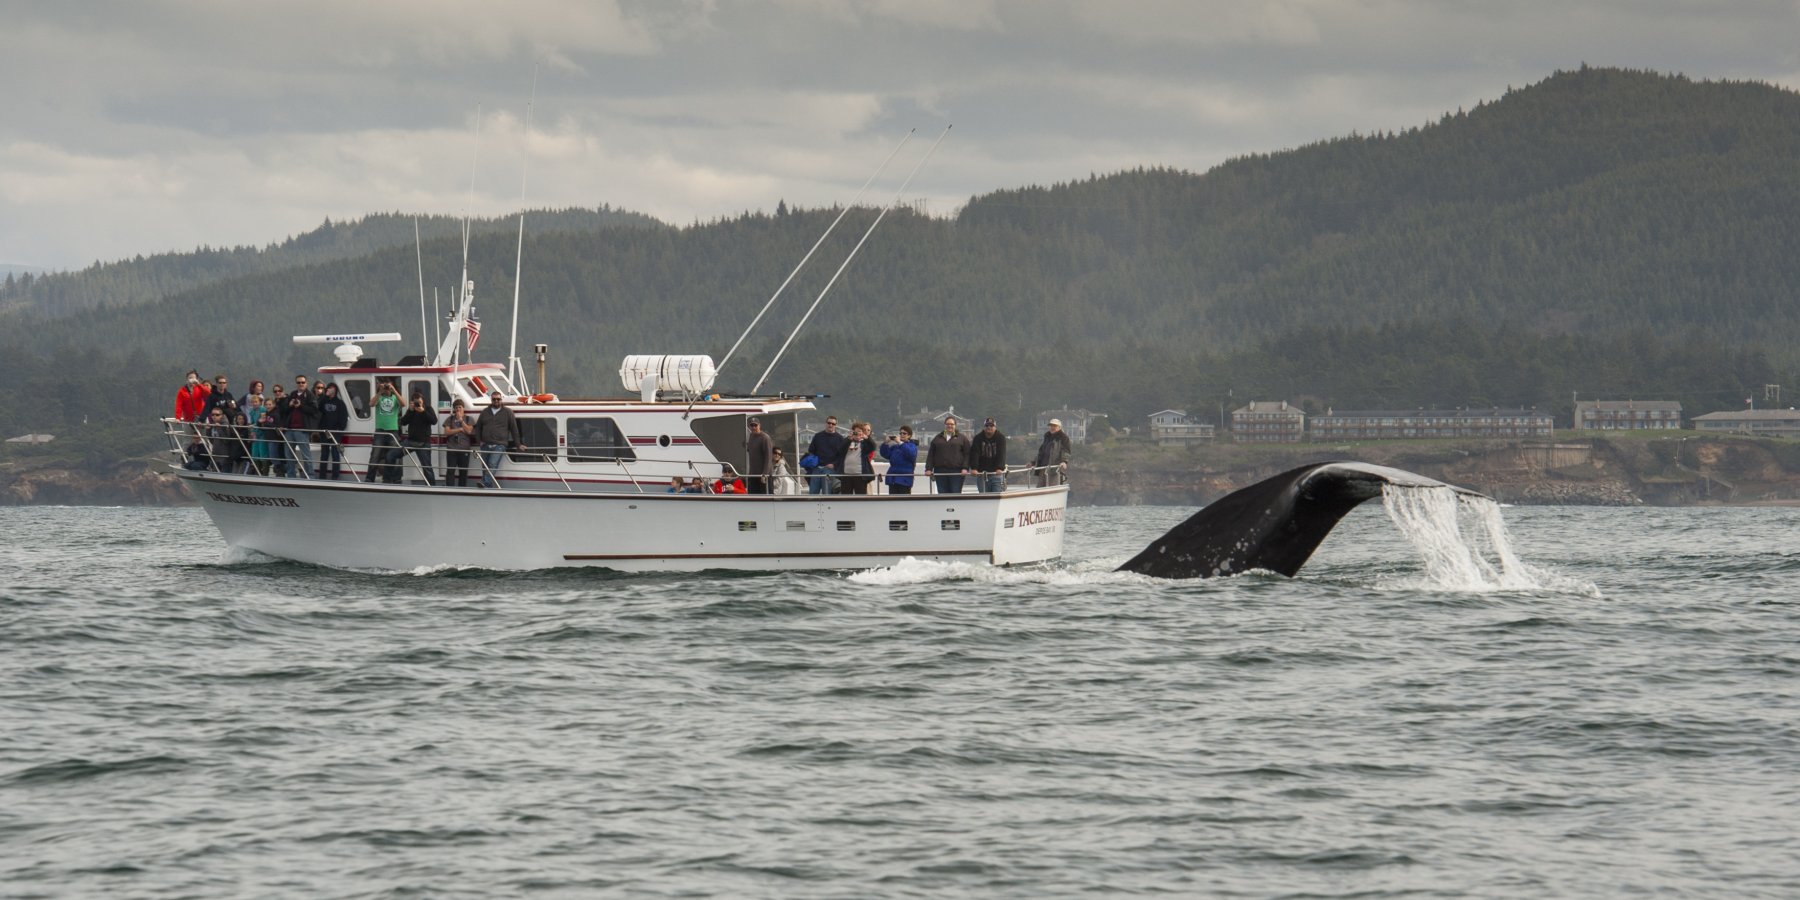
point(334, 420)
point(859, 460)
point(902, 454)
point(297, 421)
point(761, 448)
point(947, 460)
point(220, 398)
point(418, 423)
point(828, 447)
point(495, 428)
point(387, 431)
point(190, 401)
point(987, 458)
point(1052, 462)
point(781, 476)
point(459, 438)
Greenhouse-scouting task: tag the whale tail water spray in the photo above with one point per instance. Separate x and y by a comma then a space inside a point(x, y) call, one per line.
point(1276, 524)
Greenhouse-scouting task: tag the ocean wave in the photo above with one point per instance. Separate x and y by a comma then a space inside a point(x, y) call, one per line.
point(913, 570)
point(73, 770)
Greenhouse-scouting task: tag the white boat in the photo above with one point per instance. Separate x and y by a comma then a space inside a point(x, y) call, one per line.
point(589, 485)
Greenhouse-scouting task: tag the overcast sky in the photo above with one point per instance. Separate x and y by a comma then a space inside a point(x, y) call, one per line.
point(137, 127)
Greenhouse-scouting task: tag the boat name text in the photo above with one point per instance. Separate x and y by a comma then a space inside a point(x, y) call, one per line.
point(1039, 516)
point(253, 501)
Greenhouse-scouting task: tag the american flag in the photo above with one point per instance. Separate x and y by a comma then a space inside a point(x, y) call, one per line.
point(474, 330)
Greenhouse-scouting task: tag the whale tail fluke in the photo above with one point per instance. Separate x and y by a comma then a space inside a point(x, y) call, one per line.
point(1275, 524)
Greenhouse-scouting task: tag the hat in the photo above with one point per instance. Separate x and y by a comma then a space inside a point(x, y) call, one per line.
point(987, 422)
point(1056, 422)
point(756, 422)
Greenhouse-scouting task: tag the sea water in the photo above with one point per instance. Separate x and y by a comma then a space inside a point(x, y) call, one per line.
point(1448, 701)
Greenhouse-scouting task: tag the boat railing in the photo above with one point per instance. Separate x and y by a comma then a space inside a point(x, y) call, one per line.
point(207, 446)
point(210, 447)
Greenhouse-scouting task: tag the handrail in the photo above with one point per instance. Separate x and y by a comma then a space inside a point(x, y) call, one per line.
point(181, 434)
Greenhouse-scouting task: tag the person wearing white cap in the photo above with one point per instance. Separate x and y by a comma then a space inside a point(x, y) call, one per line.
point(496, 429)
point(1052, 462)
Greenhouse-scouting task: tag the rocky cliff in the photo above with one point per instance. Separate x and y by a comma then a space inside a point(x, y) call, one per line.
point(130, 483)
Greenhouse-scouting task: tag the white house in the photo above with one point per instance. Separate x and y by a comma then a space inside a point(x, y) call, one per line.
point(1175, 426)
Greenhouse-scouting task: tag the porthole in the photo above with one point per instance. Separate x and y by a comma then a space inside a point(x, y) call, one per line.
point(662, 441)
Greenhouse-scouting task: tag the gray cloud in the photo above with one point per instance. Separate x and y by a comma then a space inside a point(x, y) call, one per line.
point(141, 127)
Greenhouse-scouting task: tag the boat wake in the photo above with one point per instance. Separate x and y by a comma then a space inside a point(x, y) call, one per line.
point(244, 556)
point(925, 571)
point(1463, 543)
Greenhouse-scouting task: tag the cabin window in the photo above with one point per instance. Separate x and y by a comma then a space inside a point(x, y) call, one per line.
point(597, 440)
point(481, 386)
point(724, 438)
point(358, 390)
point(421, 387)
point(539, 437)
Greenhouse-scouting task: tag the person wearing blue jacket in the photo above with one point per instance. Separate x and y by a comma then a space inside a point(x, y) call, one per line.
point(901, 455)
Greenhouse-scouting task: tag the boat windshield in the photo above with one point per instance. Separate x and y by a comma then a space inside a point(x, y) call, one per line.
point(481, 385)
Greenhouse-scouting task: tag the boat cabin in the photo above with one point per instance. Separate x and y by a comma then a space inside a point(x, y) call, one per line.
point(630, 444)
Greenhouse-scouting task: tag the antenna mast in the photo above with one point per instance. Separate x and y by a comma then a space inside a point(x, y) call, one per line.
point(846, 264)
point(419, 252)
point(815, 248)
point(513, 372)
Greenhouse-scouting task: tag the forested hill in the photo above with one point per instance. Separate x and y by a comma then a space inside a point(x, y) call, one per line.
point(1595, 201)
point(1607, 232)
point(146, 278)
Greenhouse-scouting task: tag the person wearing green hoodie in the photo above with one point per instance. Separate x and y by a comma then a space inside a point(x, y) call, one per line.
point(386, 443)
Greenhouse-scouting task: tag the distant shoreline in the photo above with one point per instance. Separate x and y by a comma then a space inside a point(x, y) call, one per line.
point(1679, 469)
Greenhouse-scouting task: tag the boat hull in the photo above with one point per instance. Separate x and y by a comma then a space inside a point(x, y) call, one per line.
point(402, 527)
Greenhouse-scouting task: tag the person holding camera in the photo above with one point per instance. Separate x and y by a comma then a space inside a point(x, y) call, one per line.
point(859, 460)
point(459, 439)
point(386, 440)
point(901, 453)
point(418, 421)
point(298, 420)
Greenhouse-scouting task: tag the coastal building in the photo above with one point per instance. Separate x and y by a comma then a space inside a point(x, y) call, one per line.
point(1766, 422)
point(1268, 422)
point(926, 423)
point(31, 439)
point(1375, 425)
point(1174, 426)
point(1074, 423)
point(1627, 415)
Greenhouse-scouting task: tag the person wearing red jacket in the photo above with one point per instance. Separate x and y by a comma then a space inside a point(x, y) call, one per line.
point(729, 482)
point(191, 399)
